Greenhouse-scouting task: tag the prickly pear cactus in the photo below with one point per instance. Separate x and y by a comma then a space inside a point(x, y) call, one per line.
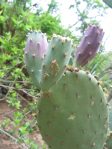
point(73, 113)
point(89, 45)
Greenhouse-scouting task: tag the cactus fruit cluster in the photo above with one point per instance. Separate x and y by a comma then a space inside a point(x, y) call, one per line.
point(72, 110)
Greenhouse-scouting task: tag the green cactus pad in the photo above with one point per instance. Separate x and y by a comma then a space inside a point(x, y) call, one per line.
point(73, 113)
point(58, 56)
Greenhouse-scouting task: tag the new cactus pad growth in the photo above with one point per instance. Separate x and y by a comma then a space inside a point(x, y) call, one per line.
point(58, 56)
point(72, 110)
point(46, 63)
point(35, 51)
point(89, 45)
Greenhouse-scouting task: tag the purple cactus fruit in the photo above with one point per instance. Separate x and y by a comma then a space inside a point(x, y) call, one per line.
point(89, 44)
point(36, 44)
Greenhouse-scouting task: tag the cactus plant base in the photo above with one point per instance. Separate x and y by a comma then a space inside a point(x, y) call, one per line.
point(73, 113)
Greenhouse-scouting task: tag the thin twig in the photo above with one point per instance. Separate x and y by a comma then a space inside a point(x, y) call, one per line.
point(6, 133)
point(9, 81)
point(13, 138)
point(21, 92)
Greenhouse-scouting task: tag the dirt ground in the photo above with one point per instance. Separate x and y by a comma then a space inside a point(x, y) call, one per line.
point(5, 141)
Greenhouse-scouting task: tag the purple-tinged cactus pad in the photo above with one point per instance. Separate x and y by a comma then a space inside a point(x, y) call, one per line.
point(89, 45)
point(35, 51)
point(36, 44)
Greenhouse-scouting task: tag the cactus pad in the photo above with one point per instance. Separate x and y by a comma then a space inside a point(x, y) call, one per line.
point(35, 51)
point(89, 45)
point(58, 56)
point(73, 113)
